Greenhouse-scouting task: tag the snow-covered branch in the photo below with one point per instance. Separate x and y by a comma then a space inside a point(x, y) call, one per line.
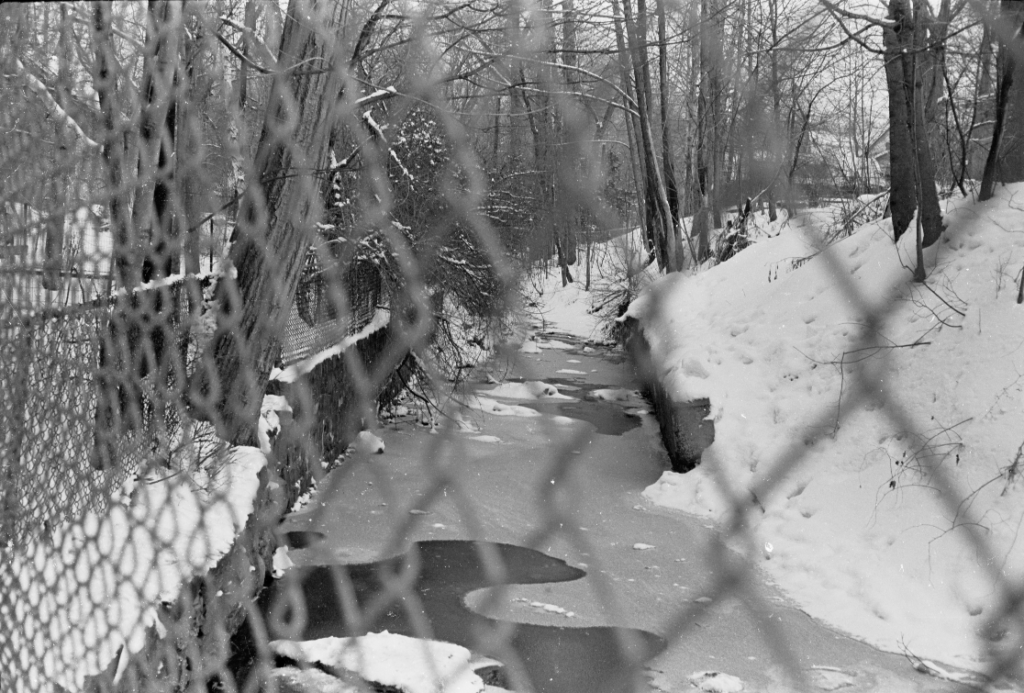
point(54, 109)
point(377, 96)
point(254, 38)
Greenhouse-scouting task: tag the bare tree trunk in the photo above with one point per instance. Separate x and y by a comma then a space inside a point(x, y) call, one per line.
point(138, 331)
point(913, 172)
point(277, 219)
point(114, 147)
point(54, 243)
point(193, 199)
point(1005, 152)
point(708, 144)
point(988, 179)
point(243, 66)
point(903, 191)
point(773, 57)
point(668, 165)
point(151, 217)
point(928, 196)
point(657, 200)
point(632, 126)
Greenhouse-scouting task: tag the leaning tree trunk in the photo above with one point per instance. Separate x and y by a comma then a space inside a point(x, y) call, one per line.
point(1005, 160)
point(276, 224)
point(988, 179)
point(1013, 135)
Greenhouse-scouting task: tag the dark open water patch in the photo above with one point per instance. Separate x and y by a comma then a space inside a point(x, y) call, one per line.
point(301, 539)
point(609, 419)
point(428, 585)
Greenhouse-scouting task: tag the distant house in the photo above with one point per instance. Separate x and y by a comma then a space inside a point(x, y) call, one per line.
point(829, 166)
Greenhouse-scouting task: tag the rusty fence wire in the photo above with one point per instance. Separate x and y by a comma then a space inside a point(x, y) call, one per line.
point(230, 233)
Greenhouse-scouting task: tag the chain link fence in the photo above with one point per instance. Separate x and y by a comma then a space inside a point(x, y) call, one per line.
point(219, 261)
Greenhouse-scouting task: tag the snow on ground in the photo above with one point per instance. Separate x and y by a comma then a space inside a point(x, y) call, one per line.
point(493, 406)
point(573, 309)
point(618, 270)
point(412, 665)
point(368, 443)
point(858, 533)
point(127, 562)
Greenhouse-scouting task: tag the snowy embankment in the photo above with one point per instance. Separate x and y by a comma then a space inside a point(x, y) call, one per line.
point(98, 585)
point(858, 532)
point(617, 269)
point(412, 665)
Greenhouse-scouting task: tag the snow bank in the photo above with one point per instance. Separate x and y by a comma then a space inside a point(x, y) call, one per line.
point(99, 584)
point(368, 443)
point(410, 664)
point(572, 308)
point(860, 534)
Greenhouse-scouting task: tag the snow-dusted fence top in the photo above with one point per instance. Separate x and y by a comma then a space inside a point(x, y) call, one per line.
point(315, 323)
point(71, 438)
point(86, 418)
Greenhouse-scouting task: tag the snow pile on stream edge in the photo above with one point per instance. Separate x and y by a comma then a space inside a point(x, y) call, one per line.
point(413, 665)
point(99, 584)
point(858, 533)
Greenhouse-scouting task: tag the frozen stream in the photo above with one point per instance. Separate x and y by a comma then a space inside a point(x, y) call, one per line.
point(567, 484)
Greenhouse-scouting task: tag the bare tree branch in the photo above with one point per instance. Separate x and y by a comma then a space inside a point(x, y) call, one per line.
point(54, 110)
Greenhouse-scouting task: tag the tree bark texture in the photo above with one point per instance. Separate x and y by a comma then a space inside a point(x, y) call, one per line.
point(903, 187)
point(276, 224)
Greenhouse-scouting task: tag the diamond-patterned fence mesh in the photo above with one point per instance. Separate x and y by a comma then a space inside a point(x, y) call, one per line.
point(237, 235)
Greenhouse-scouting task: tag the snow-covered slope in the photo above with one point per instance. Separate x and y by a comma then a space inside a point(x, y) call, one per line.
point(617, 270)
point(857, 531)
